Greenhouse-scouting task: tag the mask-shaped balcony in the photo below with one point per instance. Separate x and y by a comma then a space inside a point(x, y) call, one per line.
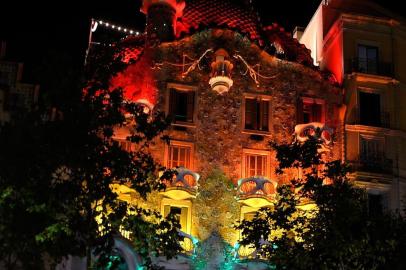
point(183, 186)
point(256, 191)
point(317, 130)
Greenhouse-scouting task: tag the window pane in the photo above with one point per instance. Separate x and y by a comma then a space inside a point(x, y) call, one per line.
point(255, 165)
point(256, 114)
point(250, 113)
point(264, 115)
point(362, 51)
point(370, 109)
point(181, 106)
point(375, 204)
point(179, 156)
point(249, 216)
point(317, 110)
point(368, 59)
point(180, 213)
point(190, 106)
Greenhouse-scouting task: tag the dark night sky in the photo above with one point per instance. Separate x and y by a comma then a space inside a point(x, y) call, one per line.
point(33, 28)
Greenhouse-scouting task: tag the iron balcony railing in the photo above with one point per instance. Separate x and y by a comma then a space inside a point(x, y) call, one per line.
point(370, 66)
point(373, 165)
point(381, 120)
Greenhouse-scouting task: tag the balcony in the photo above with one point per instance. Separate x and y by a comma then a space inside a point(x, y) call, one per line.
point(380, 165)
point(256, 191)
point(249, 252)
point(189, 243)
point(381, 120)
point(369, 66)
point(183, 186)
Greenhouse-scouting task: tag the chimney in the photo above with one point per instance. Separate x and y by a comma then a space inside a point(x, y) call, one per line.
point(298, 32)
point(161, 19)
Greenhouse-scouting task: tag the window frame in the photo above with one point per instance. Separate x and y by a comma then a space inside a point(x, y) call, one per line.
point(380, 142)
point(259, 97)
point(382, 102)
point(179, 203)
point(252, 152)
point(181, 88)
point(367, 47)
point(179, 144)
point(309, 100)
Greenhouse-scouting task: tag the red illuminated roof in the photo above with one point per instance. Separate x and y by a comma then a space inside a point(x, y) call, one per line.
point(294, 51)
point(133, 47)
point(219, 13)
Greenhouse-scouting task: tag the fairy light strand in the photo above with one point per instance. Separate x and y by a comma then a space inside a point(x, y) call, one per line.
point(118, 28)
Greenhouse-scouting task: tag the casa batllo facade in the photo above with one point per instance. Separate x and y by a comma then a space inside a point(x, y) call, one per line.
point(232, 85)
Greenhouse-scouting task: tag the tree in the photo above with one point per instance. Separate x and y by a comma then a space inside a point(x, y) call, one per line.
point(56, 176)
point(338, 232)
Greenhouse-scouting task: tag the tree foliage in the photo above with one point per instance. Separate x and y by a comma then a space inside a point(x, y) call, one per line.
point(338, 232)
point(56, 177)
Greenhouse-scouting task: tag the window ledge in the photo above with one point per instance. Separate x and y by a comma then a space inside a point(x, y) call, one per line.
point(256, 132)
point(183, 124)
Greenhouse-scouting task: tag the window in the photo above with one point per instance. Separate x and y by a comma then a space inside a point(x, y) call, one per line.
point(371, 150)
point(256, 163)
point(4, 78)
point(181, 213)
point(370, 109)
point(310, 110)
point(367, 59)
point(181, 105)
point(376, 203)
point(179, 154)
point(256, 116)
point(249, 216)
point(181, 209)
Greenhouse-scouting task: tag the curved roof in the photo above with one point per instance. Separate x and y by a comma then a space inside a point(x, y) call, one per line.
point(198, 13)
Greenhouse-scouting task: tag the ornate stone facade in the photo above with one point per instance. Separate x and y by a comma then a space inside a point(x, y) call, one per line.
point(224, 137)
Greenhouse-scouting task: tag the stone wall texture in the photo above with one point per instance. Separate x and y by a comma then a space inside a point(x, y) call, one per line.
point(218, 134)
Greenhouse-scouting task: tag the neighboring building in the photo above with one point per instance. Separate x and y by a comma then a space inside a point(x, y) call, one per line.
point(363, 45)
point(231, 86)
point(15, 96)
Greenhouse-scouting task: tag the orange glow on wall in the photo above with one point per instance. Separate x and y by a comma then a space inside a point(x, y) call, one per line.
point(137, 82)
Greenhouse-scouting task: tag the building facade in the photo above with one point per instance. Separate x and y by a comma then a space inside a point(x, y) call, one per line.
point(363, 45)
point(15, 95)
point(231, 86)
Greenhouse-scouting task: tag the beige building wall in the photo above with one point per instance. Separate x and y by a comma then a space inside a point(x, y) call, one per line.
point(344, 26)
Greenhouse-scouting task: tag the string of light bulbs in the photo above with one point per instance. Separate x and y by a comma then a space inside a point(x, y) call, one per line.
point(125, 30)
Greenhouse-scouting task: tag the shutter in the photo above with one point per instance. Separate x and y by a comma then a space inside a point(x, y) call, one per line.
point(299, 111)
point(172, 102)
point(316, 110)
point(167, 210)
point(249, 108)
point(247, 165)
point(183, 219)
point(264, 115)
point(190, 106)
point(255, 114)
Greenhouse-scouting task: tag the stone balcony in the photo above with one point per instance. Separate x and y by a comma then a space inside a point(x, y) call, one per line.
point(257, 191)
point(184, 184)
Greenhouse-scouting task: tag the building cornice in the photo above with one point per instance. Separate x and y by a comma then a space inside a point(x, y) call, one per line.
point(358, 18)
point(375, 130)
point(371, 78)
